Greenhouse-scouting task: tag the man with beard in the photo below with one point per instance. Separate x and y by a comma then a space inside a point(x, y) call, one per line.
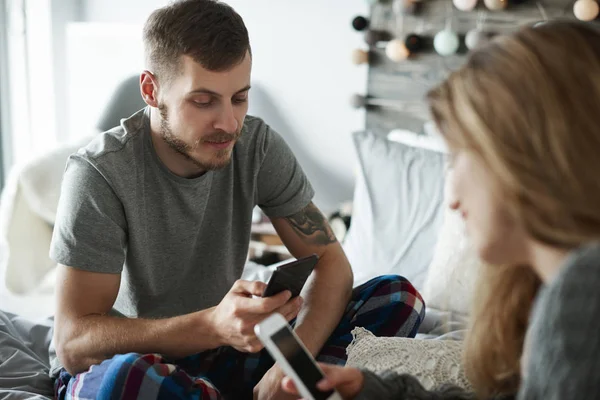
point(153, 229)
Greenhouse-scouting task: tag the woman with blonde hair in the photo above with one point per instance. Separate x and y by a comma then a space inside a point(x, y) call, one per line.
point(522, 122)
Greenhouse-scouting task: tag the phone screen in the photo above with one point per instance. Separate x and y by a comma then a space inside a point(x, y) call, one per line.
point(300, 361)
point(291, 276)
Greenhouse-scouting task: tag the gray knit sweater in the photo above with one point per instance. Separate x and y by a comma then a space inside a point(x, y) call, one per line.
point(564, 353)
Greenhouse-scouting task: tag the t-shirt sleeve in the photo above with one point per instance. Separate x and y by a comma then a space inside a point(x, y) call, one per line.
point(90, 228)
point(283, 188)
point(564, 356)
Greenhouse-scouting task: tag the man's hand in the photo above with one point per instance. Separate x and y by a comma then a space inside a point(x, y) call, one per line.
point(234, 318)
point(270, 386)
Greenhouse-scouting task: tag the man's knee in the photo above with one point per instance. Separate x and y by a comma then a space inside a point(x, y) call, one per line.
point(397, 288)
point(127, 373)
point(390, 305)
point(113, 376)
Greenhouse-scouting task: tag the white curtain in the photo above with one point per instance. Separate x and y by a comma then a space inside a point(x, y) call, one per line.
point(5, 161)
point(30, 78)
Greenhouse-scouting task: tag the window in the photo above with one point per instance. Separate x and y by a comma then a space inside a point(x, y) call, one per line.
point(28, 76)
point(4, 103)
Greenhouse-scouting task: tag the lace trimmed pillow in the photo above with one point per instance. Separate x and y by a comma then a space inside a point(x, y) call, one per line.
point(432, 362)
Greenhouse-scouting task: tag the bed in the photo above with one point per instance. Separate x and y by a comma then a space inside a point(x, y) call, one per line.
point(400, 225)
point(24, 358)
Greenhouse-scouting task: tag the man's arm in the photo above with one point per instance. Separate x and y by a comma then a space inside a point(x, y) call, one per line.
point(85, 335)
point(328, 291)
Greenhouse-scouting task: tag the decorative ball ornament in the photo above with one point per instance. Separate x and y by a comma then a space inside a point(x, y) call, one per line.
point(446, 42)
point(360, 23)
point(413, 43)
point(396, 50)
point(475, 38)
point(586, 10)
point(465, 5)
point(496, 5)
point(360, 56)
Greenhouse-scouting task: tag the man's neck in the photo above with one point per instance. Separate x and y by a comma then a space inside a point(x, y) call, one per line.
point(174, 161)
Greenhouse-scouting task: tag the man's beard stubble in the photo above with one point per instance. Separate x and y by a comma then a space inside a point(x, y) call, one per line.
point(221, 157)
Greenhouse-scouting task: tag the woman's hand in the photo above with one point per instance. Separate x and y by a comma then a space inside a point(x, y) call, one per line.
point(347, 381)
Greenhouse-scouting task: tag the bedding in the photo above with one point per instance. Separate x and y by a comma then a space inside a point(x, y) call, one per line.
point(453, 271)
point(24, 344)
point(35, 306)
point(397, 206)
point(24, 239)
point(27, 212)
point(402, 224)
point(399, 194)
point(432, 362)
point(24, 364)
point(443, 325)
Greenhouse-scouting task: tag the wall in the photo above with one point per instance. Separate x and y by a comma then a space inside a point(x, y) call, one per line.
point(302, 78)
point(62, 12)
point(407, 82)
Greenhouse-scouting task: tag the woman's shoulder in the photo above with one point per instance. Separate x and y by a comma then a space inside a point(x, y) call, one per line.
point(572, 299)
point(565, 346)
point(579, 277)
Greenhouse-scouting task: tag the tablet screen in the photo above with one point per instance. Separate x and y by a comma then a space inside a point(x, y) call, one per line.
point(301, 362)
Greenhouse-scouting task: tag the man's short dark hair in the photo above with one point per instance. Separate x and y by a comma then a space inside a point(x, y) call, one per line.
point(209, 31)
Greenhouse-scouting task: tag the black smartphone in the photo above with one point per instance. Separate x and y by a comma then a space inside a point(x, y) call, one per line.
point(291, 276)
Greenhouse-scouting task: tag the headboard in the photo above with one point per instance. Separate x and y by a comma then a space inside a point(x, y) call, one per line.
point(406, 82)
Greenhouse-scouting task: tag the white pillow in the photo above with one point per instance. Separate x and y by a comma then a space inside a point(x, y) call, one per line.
point(432, 362)
point(25, 239)
point(27, 214)
point(396, 209)
point(41, 178)
point(433, 141)
point(452, 275)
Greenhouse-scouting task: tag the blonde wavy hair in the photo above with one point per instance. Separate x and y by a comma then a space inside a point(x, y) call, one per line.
point(528, 105)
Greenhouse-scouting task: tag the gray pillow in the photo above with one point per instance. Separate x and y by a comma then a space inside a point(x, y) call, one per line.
point(397, 209)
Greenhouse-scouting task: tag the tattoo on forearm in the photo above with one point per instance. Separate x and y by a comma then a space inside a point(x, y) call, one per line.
point(310, 223)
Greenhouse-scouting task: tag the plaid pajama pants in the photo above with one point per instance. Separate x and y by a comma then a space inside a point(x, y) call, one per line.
point(387, 306)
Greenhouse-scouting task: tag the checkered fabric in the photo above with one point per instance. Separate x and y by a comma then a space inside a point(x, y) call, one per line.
point(387, 306)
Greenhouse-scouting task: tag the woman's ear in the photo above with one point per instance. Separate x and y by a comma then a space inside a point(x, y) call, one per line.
point(149, 88)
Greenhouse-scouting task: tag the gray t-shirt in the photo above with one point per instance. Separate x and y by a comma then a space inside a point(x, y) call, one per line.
point(179, 244)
